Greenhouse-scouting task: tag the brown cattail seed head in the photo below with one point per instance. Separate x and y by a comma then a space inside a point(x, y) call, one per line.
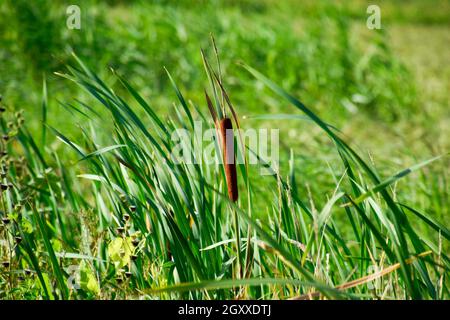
point(226, 136)
point(133, 208)
point(134, 257)
point(126, 217)
point(18, 239)
point(5, 264)
point(120, 230)
point(6, 220)
point(128, 274)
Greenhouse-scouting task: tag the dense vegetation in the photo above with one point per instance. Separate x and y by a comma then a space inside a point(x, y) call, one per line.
point(94, 206)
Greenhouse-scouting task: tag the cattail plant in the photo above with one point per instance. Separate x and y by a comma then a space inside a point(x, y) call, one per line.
point(224, 129)
point(223, 124)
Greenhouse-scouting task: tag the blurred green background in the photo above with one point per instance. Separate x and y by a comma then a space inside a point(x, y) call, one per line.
point(387, 89)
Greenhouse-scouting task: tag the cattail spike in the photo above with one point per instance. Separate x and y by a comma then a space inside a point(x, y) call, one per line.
point(229, 159)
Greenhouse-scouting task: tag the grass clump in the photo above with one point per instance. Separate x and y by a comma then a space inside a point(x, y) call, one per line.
point(94, 204)
point(133, 222)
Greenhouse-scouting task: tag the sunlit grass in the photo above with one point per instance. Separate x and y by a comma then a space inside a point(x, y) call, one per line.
point(92, 198)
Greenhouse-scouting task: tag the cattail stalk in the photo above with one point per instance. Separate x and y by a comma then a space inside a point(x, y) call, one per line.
point(225, 128)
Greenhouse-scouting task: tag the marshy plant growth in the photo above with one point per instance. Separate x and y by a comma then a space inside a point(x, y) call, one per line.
point(224, 128)
point(122, 219)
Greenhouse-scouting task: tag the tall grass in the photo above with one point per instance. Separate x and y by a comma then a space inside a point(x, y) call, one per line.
point(127, 220)
point(109, 213)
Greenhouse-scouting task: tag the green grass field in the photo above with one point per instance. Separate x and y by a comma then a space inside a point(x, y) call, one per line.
point(93, 206)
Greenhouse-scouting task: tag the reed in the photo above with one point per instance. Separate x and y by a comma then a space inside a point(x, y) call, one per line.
point(225, 131)
point(222, 122)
